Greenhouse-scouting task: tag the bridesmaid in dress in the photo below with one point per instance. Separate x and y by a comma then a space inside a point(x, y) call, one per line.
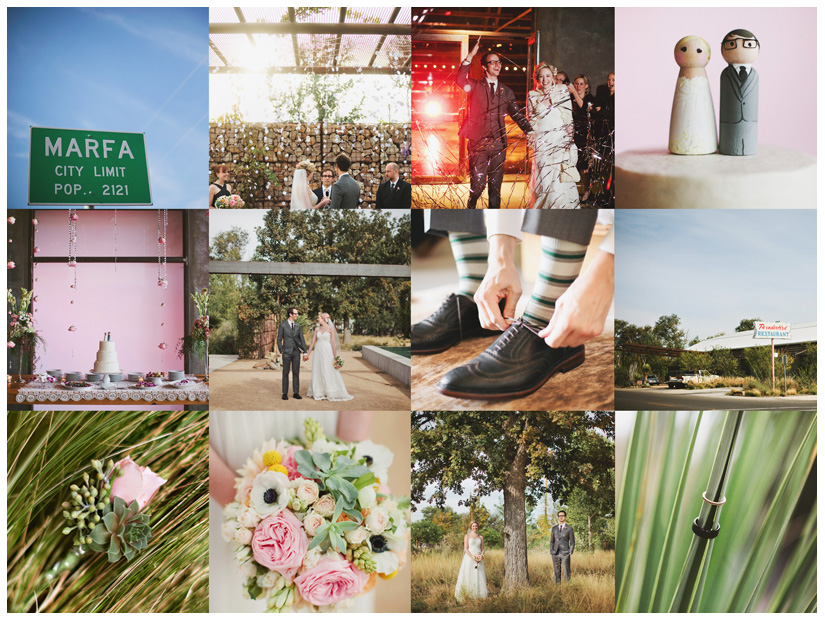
point(692, 120)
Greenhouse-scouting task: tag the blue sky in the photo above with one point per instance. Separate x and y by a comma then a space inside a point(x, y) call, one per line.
point(713, 268)
point(130, 70)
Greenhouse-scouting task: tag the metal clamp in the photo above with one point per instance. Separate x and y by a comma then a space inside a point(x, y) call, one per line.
point(705, 534)
point(710, 502)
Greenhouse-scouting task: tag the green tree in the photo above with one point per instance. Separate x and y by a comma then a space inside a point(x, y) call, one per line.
point(225, 290)
point(515, 452)
point(425, 534)
point(723, 363)
point(746, 325)
point(695, 360)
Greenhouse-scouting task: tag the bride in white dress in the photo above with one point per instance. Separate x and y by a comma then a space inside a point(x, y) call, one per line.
point(233, 436)
point(302, 195)
point(553, 176)
point(693, 117)
point(326, 382)
point(472, 579)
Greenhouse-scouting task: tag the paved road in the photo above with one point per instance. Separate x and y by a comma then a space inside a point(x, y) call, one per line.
point(710, 399)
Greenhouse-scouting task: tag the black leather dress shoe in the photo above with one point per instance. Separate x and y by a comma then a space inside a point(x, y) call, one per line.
point(297, 396)
point(518, 363)
point(285, 398)
point(455, 319)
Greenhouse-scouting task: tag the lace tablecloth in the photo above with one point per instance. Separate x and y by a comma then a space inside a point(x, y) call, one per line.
point(40, 392)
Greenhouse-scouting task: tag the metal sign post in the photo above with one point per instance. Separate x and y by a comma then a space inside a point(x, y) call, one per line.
point(774, 330)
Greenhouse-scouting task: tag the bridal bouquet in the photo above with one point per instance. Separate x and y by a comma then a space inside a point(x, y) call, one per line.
point(105, 513)
point(314, 526)
point(339, 362)
point(229, 202)
point(478, 558)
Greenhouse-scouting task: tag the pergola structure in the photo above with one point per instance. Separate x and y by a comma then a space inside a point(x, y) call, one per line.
point(320, 40)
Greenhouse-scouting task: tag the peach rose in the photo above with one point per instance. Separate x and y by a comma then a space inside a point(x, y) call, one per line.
point(325, 505)
point(280, 543)
point(306, 490)
point(331, 581)
point(377, 521)
point(312, 522)
point(136, 483)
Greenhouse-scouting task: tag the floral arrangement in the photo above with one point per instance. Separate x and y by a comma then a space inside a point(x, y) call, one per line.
point(155, 374)
point(104, 511)
point(78, 384)
point(314, 526)
point(478, 558)
point(229, 202)
point(339, 362)
point(22, 333)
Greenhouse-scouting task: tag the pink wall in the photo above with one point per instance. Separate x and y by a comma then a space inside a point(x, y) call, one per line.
point(647, 71)
point(137, 233)
point(126, 302)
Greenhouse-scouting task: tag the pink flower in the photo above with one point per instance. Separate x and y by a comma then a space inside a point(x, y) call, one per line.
point(10, 265)
point(36, 250)
point(280, 543)
point(136, 483)
point(331, 581)
point(162, 346)
point(35, 222)
point(74, 217)
point(161, 240)
point(10, 220)
point(288, 460)
point(10, 344)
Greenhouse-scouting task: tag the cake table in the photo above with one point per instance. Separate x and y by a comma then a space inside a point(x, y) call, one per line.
point(774, 178)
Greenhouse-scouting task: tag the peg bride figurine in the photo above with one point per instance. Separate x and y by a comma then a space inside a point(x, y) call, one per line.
point(692, 120)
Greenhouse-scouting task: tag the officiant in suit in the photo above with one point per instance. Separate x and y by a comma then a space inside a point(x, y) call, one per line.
point(562, 543)
point(323, 191)
point(346, 191)
point(292, 346)
point(394, 193)
point(738, 94)
point(489, 101)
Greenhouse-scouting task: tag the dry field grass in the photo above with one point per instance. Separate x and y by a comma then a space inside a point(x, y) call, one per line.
point(591, 589)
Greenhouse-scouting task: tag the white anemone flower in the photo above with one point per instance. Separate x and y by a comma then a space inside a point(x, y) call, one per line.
point(270, 493)
point(378, 458)
point(386, 562)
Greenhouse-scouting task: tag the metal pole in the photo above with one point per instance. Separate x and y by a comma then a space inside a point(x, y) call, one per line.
point(773, 373)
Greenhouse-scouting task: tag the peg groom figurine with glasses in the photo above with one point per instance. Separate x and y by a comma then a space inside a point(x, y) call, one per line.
point(739, 94)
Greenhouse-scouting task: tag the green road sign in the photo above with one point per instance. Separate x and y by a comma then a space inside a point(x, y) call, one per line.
point(87, 167)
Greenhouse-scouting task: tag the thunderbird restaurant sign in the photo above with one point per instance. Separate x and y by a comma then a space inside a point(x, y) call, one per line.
point(87, 167)
point(774, 330)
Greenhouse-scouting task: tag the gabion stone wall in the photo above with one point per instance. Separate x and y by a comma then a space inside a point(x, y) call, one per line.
point(280, 146)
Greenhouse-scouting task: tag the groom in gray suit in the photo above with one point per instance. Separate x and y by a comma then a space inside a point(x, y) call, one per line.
point(562, 542)
point(739, 94)
point(346, 191)
point(291, 344)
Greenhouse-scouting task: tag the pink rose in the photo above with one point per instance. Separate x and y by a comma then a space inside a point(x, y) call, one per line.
point(10, 265)
point(136, 483)
point(288, 460)
point(280, 543)
point(10, 344)
point(331, 581)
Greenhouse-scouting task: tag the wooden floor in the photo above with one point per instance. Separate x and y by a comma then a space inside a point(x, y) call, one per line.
point(588, 387)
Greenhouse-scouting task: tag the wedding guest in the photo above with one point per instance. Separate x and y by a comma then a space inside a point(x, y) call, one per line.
point(394, 193)
point(220, 187)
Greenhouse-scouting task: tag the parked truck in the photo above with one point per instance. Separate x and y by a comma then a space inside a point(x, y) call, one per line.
point(680, 379)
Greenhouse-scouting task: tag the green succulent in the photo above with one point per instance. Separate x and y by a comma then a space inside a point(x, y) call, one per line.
point(361, 556)
point(124, 531)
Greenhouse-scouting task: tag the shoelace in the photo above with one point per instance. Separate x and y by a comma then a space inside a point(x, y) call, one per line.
point(508, 336)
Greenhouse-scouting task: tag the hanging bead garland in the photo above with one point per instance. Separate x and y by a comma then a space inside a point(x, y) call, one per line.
point(163, 220)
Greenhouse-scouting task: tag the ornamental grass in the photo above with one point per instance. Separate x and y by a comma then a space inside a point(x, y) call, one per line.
point(763, 558)
point(48, 451)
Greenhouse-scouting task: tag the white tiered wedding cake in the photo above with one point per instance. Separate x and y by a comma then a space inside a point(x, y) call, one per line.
point(107, 357)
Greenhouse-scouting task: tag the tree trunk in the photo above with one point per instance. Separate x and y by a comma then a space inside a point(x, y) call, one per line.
point(347, 333)
point(589, 536)
point(515, 515)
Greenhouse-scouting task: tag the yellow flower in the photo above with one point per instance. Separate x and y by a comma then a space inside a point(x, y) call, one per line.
point(271, 458)
point(278, 468)
point(389, 576)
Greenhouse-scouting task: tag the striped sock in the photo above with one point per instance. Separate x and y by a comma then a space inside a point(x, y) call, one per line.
point(470, 251)
point(561, 262)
